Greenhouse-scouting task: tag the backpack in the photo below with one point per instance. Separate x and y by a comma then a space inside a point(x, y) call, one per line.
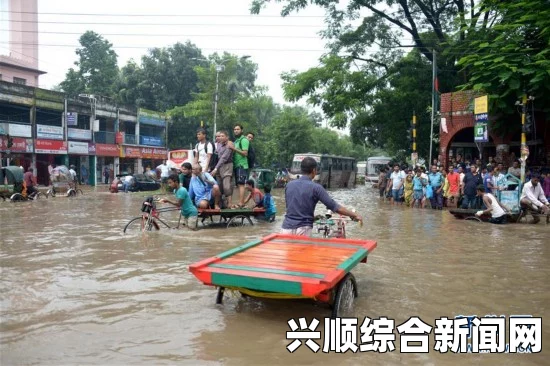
point(148, 204)
point(251, 157)
point(214, 158)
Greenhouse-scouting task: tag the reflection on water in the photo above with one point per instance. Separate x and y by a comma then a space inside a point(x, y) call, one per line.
point(75, 290)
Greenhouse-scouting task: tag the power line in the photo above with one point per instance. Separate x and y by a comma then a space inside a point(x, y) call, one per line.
point(171, 35)
point(172, 24)
point(167, 15)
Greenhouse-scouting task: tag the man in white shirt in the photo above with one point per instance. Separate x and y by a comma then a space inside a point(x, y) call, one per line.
point(532, 196)
point(203, 150)
point(164, 174)
point(397, 178)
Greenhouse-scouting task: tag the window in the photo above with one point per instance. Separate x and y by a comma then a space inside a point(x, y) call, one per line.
point(19, 81)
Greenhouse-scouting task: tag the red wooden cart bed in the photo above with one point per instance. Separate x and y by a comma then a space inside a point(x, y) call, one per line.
point(288, 266)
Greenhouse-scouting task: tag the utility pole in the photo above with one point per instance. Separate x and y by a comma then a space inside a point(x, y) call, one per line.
point(524, 149)
point(219, 68)
point(434, 66)
point(414, 153)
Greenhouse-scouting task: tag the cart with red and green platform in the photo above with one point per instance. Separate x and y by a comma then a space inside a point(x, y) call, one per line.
point(282, 266)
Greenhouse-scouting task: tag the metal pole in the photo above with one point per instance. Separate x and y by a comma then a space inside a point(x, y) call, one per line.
point(524, 152)
point(216, 101)
point(433, 106)
point(414, 140)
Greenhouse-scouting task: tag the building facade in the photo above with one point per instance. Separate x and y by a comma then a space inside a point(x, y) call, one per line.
point(40, 127)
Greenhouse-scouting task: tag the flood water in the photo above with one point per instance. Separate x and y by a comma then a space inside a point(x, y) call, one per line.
point(75, 290)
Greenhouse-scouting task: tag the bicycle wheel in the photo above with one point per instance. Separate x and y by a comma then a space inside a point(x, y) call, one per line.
point(141, 223)
point(239, 220)
point(16, 197)
point(71, 193)
point(79, 191)
point(37, 196)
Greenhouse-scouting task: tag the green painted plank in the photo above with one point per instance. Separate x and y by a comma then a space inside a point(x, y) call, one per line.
point(283, 241)
point(352, 261)
point(238, 249)
point(267, 270)
point(258, 284)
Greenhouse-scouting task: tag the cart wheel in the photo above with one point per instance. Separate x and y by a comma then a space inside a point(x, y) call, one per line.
point(239, 220)
point(16, 197)
point(346, 292)
point(219, 296)
point(37, 196)
point(71, 193)
point(473, 218)
point(79, 191)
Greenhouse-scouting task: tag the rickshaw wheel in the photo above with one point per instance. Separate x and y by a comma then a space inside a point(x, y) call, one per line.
point(71, 193)
point(346, 292)
point(79, 191)
point(239, 220)
point(16, 197)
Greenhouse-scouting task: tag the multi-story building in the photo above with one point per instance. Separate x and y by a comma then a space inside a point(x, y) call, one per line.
point(20, 65)
point(91, 132)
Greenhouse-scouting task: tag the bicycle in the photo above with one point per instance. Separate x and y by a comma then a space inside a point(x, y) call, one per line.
point(35, 195)
point(332, 227)
point(150, 217)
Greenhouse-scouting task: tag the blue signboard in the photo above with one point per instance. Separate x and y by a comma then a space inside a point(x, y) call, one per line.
point(482, 117)
point(152, 118)
point(150, 140)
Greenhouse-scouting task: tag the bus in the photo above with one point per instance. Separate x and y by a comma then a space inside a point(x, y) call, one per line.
point(374, 164)
point(332, 171)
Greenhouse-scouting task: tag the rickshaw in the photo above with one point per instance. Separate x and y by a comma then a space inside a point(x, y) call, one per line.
point(12, 185)
point(262, 177)
point(62, 180)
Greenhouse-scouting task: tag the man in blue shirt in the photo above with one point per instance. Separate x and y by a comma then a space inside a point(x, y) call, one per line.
point(301, 197)
point(436, 181)
point(203, 189)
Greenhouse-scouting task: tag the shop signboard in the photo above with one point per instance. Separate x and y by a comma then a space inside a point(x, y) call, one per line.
point(20, 145)
point(153, 153)
point(150, 140)
point(79, 148)
point(79, 134)
point(72, 119)
point(107, 150)
point(19, 130)
point(91, 148)
point(130, 152)
point(152, 118)
point(50, 147)
point(481, 132)
point(49, 132)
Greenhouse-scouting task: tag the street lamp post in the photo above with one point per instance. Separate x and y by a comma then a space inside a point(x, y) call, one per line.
point(219, 68)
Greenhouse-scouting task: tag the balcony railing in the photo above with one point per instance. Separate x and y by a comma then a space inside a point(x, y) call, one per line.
point(104, 137)
point(130, 139)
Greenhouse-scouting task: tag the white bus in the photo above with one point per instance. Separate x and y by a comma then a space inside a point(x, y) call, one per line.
point(332, 171)
point(374, 164)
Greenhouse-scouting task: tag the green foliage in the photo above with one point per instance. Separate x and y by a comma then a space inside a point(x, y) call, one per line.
point(97, 67)
point(513, 57)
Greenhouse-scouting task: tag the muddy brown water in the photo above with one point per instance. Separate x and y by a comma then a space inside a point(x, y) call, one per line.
point(75, 290)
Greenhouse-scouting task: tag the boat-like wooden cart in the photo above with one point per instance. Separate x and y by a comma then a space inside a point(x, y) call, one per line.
point(288, 267)
point(230, 217)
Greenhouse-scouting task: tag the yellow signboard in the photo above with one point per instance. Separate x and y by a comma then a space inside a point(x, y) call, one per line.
point(481, 105)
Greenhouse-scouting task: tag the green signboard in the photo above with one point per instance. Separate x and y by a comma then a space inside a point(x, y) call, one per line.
point(481, 133)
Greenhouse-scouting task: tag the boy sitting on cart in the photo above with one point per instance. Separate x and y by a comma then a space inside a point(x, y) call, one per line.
point(203, 189)
point(188, 210)
point(302, 195)
point(254, 194)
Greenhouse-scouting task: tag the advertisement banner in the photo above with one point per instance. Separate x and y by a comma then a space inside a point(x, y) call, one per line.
point(481, 105)
point(91, 148)
point(50, 147)
point(481, 133)
point(119, 138)
point(107, 150)
point(80, 148)
point(4, 128)
point(150, 140)
point(130, 152)
point(49, 132)
point(72, 119)
point(152, 153)
point(180, 156)
point(78, 134)
point(20, 145)
point(19, 130)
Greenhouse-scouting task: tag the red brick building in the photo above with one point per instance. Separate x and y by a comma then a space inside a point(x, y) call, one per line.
point(457, 133)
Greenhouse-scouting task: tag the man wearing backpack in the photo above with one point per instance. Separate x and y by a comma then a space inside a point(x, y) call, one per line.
point(204, 150)
point(240, 161)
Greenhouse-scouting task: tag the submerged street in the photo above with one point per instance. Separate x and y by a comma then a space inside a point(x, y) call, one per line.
point(76, 290)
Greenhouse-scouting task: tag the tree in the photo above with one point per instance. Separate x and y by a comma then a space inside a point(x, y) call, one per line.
point(165, 78)
point(97, 69)
point(513, 57)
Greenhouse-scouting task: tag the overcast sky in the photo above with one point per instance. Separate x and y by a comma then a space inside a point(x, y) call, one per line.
point(279, 44)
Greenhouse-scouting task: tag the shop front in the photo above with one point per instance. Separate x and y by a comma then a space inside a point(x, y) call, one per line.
point(21, 149)
point(129, 159)
point(107, 159)
point(78, 156)
point(152, 157)
point(49, 152)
